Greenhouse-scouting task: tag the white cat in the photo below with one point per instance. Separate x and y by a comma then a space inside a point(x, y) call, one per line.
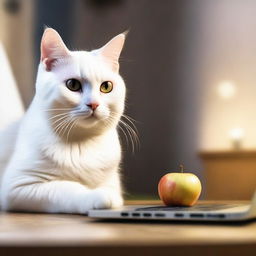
point(67, 151)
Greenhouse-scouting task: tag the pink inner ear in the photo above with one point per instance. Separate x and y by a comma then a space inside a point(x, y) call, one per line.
point(52, 48)
point(48, 63)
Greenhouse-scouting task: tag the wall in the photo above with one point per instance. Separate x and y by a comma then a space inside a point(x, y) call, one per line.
point(227, 44)
point(16, 33)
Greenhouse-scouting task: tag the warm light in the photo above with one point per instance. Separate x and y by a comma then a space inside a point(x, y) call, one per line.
point(236, 135)
point(226, 89)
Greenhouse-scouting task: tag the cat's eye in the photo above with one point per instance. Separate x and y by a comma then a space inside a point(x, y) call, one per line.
point(106, 87)
point(73, 85)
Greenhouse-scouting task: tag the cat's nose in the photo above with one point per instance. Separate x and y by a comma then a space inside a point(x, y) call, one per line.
point(93, 106)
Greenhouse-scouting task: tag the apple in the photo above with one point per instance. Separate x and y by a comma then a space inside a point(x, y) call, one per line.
point(181, 188)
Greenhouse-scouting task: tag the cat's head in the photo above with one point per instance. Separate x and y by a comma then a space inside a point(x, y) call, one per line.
point(79, 88)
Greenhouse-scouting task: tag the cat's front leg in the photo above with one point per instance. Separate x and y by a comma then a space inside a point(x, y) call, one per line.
point(109, 193)
point(107, 197)
point(57, 196)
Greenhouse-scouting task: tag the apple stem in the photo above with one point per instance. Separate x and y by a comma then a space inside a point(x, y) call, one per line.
point(181, 168)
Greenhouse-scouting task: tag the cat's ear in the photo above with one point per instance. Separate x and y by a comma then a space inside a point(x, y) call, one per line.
point(112, 50)
point(52, 48)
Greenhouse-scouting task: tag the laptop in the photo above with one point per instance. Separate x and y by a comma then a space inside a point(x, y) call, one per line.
point(199, 212)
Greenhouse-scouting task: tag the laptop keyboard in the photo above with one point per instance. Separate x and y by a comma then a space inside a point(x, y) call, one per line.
point(202, 207)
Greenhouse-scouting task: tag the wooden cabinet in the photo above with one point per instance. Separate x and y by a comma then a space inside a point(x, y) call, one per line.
point(229, 174)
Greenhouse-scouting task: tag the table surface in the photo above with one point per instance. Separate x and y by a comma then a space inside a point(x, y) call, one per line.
point(28, 231)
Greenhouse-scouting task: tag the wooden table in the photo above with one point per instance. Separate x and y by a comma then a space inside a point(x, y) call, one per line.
point(63, 235)
point(238, 167)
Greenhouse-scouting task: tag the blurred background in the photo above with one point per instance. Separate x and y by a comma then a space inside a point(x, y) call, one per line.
point(190, 72)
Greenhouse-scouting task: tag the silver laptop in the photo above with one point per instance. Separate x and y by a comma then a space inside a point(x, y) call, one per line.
point(199, 212)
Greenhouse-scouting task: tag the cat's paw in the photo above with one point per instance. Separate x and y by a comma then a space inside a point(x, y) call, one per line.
point(106, 199)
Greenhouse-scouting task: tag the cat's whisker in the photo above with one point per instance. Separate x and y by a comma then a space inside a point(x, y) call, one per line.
point(58, 120)
point(128, 131)
point(130, 120)
point(131, 138)
point(59, 126)
point(123, 131)
point(126, 116)
point(64, 123)
point(133, 129)
point(72, 125)
point(63, 114)
point(132, 126)
point(109, 124)
point(65, 127)
point(75, 123)
point(132, 134)
point(57, 109)
point(129, 127)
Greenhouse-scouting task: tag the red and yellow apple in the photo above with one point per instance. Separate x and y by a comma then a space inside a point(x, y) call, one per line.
point(181, 188)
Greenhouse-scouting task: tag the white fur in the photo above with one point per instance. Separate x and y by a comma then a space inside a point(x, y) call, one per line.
point(67, 167)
